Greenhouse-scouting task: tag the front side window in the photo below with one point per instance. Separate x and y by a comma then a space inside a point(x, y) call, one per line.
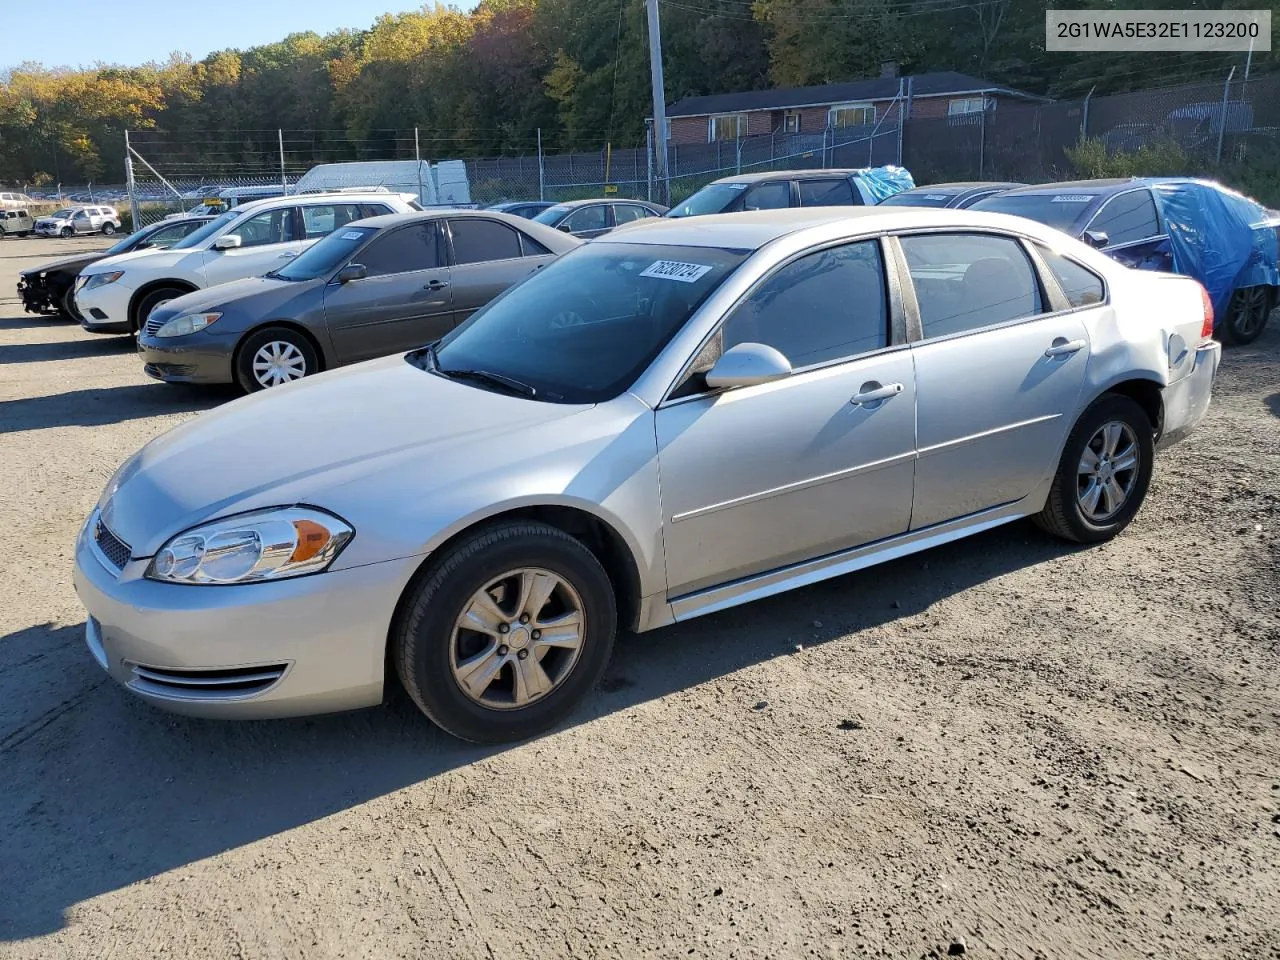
point(584, 327)
point(1126, 218)
point(1081, 285)
point(478, 241)
point(320, 219)
point(836, 192)
point(270, 226)
point(586, 219)
point(826, 306)
point(769, 196)
point(851, 115)
point(727, 126)
point(404, 250)
point(965, 281)
point(326, 255)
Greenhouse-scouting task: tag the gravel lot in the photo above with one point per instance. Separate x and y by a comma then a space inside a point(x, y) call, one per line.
point(1040, 751)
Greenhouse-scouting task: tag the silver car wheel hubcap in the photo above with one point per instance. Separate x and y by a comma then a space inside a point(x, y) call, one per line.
point(278, 362)
point(517, 639)
point(1108, 471)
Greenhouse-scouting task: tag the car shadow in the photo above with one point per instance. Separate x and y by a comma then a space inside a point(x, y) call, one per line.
point(32, 321)
point(1273, 404)
point(98, 407)
point(102, 791)
point(98, 346)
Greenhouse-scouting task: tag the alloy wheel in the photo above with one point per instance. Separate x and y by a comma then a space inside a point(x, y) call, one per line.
point(1108, 471)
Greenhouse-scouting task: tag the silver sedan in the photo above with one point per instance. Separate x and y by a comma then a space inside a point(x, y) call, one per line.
point(682, 417)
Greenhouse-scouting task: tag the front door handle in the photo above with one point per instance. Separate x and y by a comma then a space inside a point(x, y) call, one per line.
point(873, 393)
point(436, 284)
point(1062, 347)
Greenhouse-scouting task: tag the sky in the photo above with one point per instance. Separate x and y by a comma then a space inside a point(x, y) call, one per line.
point(131, 32)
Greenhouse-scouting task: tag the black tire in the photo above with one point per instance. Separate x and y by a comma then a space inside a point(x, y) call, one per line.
point(246, 378)
point(1247, 315)
point(65, 309)
point(151, 300)
point(422, 637)
point(108, 229)
point(1063, 515)
point(66, 232)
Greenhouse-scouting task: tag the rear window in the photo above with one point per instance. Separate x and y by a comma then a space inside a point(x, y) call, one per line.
point(1064, 210)
point(912, 199)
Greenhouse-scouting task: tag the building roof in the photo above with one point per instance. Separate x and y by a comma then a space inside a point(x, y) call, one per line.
point(876, 88)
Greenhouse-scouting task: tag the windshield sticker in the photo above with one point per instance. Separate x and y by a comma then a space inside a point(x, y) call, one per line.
point(675, 270)
point(1071, 198)
point(352, 235)
point(735, 186)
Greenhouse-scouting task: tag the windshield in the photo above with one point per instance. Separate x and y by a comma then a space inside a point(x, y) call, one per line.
point(550, 215)
point(1061, 210)
point(583, 328)
point(62, 214)
point(128, 243)
point(323, 257)
point(910, 199)
point(205, 232)
point(714, 198)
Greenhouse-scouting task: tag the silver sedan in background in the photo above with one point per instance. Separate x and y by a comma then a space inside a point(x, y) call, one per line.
point(683, 417)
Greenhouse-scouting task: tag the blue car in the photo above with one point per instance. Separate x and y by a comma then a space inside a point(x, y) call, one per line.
point(1171, 224)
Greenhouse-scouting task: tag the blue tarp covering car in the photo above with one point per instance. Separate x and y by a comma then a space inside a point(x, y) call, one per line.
point(883, 182)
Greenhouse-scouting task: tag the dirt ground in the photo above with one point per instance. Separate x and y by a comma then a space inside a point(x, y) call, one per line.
point(1030, 750)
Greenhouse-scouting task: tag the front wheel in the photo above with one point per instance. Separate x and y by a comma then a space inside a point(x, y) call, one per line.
point(271, 357)
point(108, 229)
point(1247, 315)
point(66, 233)
point(1104, 473)
point(506, 636)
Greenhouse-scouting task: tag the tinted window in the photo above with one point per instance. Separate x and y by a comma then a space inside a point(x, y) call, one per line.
point(1128, 217)
point(532, 248)
point(825, 306)
point(587, 218)
point(475, 241)
point(626, 212)
point(714, 198)
point(911, 198)
point(769, 196)
point(581, 329)
point(1081, 285)
point(402, 251)
point(325, 255)
point(826, 193)
point(966, 281)
point(326, 218)
point(271, 226)
point(1063, 210)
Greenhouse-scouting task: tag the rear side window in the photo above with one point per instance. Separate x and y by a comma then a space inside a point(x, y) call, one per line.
point(826, 193)
point(532, 248)
point(769, 196)
point(476, 241)
point(1126, 218)
point(626, 212)
point(405, 250)
point(964, 281)
point(1081, 285)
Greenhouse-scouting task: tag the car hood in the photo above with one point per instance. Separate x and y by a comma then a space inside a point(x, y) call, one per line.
point(76, 264)
point(155, 259)
point(256, 296)
point(300, 442)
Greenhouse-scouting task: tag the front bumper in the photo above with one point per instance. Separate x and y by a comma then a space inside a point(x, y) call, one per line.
point(103, 309)
point(1186, 401)
point(304, 646)
point(196, 358)
point(49, 229)
point(38, 296)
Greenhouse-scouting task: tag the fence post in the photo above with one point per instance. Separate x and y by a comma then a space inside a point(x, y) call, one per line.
point(648, 156)
point(738, 150)
point(982, 139)
point(134, 210)
point(1222, 117)
point(1084, 118)
point(542, 190)
point(284, 180)
point(417, 156)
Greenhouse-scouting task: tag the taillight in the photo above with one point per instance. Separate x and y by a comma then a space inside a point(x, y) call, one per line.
point(1206, 328)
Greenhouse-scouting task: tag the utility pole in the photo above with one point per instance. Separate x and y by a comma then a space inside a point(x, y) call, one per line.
point(659, 101)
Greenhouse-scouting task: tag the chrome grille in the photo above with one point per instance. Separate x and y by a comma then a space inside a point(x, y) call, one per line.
point(112, 547)
point(153, 325)
point(231, 683)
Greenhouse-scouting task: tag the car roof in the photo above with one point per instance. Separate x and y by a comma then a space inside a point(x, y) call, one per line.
point(268, 203)
point(1093, 186)
point(540, 232)
point(754, 229)
point(788, 174)
point(570, 204)
point(962, 186)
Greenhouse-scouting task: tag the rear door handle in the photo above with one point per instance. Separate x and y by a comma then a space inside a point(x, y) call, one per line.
point(436, 284)
point(1063, 347)
point(873, 392)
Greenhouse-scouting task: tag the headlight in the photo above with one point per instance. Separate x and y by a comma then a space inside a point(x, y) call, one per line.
point(188, 323)
point(269, 544)
point(102, 279)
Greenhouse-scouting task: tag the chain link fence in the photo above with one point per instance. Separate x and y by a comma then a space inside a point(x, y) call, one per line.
point(1199, 126)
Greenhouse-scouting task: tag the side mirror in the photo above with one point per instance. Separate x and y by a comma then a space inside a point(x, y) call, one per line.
point(231, 241)
point(352, 271)
point(747, 364)
point(1096, 239)
point(565, 228)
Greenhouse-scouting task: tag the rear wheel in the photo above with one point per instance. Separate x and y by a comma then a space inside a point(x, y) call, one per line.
point(271, 357)
point(1104, 472)
point(1247, 315)
point(108, 229)
point(506, 636)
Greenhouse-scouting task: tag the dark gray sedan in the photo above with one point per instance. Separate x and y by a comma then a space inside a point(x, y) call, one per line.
point(593, 218)
point(369, 289)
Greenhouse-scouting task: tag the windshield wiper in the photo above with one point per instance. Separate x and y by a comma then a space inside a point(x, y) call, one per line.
point(508, 384)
